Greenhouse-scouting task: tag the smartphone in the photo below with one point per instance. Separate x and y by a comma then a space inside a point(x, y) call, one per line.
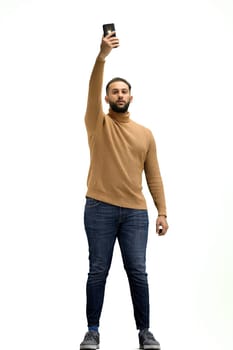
point(108, 28)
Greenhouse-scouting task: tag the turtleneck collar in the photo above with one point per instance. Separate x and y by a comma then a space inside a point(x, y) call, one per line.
point(119, 117)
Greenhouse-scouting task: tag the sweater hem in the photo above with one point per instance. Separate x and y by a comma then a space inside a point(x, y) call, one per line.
point(117, 202)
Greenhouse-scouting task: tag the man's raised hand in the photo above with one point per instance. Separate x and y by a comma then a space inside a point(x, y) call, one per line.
point(107, 44)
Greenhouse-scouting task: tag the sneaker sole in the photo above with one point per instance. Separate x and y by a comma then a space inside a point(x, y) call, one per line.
point(89, 347)
point(150, 347)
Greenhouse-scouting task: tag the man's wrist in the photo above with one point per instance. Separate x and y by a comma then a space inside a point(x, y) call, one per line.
point(163, 215)
point(101, 57)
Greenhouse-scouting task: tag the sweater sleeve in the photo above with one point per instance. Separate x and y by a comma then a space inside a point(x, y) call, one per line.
point(94, 108)
point(153, 178)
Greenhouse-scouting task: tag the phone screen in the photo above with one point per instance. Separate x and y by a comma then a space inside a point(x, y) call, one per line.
point(108, 28)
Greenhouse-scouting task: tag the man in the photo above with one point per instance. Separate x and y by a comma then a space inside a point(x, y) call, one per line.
point(120, 150)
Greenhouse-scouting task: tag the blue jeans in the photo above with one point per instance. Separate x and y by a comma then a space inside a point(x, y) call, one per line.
point(103, 224)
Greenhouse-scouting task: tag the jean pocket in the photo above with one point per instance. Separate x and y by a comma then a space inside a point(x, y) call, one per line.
point(92, 203)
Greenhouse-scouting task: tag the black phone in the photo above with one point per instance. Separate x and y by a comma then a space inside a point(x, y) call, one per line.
point(108, 28)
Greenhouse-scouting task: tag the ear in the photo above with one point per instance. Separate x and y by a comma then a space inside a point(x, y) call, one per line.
point(106, 99)
point(131, 99)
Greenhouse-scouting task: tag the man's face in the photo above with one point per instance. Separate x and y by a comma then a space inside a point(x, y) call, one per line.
point(119, 97)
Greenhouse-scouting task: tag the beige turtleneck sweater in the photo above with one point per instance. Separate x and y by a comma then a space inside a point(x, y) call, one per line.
point(120, 150)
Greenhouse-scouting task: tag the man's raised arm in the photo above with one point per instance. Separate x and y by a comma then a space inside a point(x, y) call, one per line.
point(94, 101)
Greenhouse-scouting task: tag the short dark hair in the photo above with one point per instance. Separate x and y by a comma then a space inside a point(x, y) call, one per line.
point(117, 79)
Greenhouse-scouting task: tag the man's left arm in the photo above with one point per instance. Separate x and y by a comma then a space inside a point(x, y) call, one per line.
point(155, 185)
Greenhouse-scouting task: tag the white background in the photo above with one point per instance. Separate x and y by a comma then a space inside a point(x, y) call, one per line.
point(178, 57)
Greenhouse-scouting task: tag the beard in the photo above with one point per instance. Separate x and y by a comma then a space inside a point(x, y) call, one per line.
point(118, 109)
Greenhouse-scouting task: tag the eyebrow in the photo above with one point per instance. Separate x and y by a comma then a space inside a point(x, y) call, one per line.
point(123, 89)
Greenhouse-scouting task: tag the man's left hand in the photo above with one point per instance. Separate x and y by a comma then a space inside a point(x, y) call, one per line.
point(161, 225)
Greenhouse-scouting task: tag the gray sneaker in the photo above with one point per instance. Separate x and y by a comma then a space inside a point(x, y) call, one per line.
point(91, 341)
point(147, 340)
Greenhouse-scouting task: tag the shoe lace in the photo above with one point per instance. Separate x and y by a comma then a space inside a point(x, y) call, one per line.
point(90, 336)
point(150, 336)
